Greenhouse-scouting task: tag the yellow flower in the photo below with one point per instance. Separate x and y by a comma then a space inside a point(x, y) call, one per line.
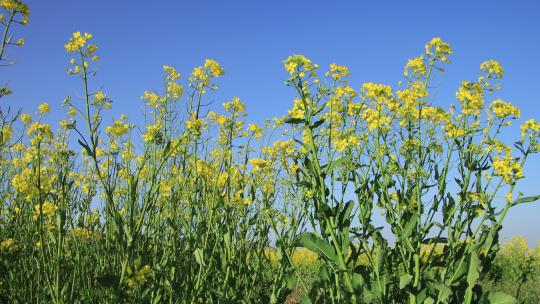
point(508, 168)
point(150, 98)
point(259, 164)
point(195, 125)
point(118, 128)
point(214, 68)
point(44, 108)
point(235, 106)
point(6, 244)
point(438, 49)
point(153, 133)
point(72, 111)
point(16, 6)
point(454, 131)
point(48, 208)
point(77, 41)
point(26, 118)
point(257, 131)
point(376, 120)
point(338, 71)
point(174, 90)
point(471, 96)
point(416, 65)
point(172, 74)
point(503, 109)
point(530, 127)
point(6, 134)
point(295, 63)
point(100, 96)
point(298, 110)
point(493, 68)
point(199, 75)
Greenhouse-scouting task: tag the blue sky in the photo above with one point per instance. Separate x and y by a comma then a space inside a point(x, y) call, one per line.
point(251, 38)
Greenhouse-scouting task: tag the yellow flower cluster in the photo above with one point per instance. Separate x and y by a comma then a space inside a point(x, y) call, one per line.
point(259, 164)
point(492, 68)
point(171, 72)
point(298, 110)
point(138, 275)
point(18, 7)
point(77, 42)
point(337, 72)
point(26, 118)
point(200, 77)
point(453, 131)
point(300, 64)
point(507, 167)
point(471, 96)
point(83, 233)
point(40, 130)
point(235, 106)
point(6, 244)
point(6, 134)
point(503, 109)
point(44, 108)
point(376, 120)
point(256, 130)
point(48, 208)
point(416, 66)
point(280, 148)
point(152, 99)
point(195, 125)
point(378, 92)
point(518, 245)
point(530, 128)
point(344, 143)
point(438, 49)
point(118, 128)
point(214, 68)
point(153, 133)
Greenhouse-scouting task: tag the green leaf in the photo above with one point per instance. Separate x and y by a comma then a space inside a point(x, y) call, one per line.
point(404, 280)
point(409, 226)
point(444, 291)
point(357, 281)
point(199, 257)
point(85, 146)
point(474, 270)
point(524, 200)
point(317, 245)
point(335, 163)
point(294, 121)
point(499, 297)
point(318, 123)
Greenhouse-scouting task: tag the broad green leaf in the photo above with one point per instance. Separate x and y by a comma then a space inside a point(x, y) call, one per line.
point(523, 200)
point(444, 291)
point(404, 280)
point(293, 121)
point(474, 270)
point(317, 245)
point(318, 123)
point(335, 163)
point(357, 281)
point(199, 257)
point(409, 226)
point(499, 297)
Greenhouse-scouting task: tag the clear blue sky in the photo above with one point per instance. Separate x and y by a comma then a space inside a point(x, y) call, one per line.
point(251, 38)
